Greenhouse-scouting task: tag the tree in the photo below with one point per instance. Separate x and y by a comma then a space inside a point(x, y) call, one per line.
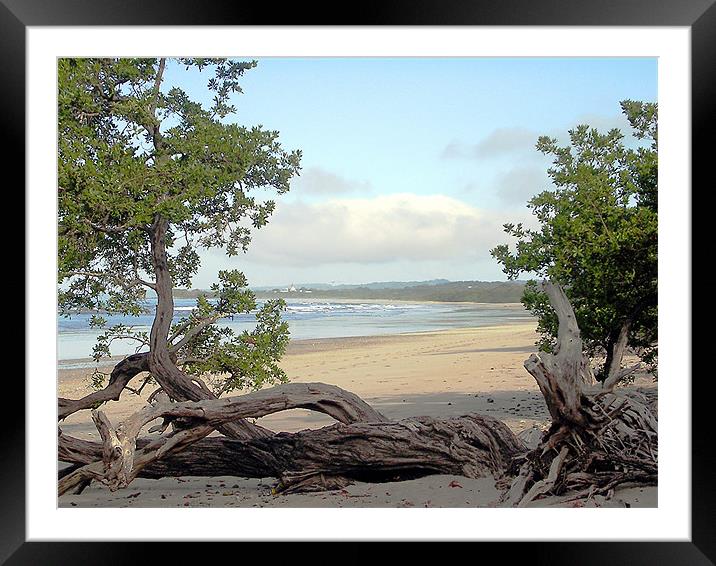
point(147, 176)
point(597, 238)
point(596, 250)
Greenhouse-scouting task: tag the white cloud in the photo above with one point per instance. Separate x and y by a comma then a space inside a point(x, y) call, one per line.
point(383, 229)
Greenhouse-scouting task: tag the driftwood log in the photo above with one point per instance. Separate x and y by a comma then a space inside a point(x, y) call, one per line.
point(472, 446)
point(364, 445)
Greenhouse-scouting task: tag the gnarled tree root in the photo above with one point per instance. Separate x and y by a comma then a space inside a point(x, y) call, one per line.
point(599, 438)
point(586, 461)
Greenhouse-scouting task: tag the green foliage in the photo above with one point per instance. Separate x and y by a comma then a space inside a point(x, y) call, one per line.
point(97, 381)
point(132, 149)
point(597, 235)
point(244, 360)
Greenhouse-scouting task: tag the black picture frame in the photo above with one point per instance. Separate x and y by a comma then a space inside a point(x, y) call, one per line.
point(698, 15)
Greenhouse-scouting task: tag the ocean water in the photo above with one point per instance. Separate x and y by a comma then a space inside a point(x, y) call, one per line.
point(307, 319)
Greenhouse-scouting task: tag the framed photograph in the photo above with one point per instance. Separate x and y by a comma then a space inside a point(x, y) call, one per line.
point(386, 279)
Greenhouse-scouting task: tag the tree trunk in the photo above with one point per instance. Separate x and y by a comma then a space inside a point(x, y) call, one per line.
point(173, 381)
point(599, 438)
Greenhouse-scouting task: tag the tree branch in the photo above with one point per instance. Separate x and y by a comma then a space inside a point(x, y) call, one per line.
point(615, 356)
point(154, 130)
point(121, 375)
point(611, 382)
point(193, 331)
point(121, 463)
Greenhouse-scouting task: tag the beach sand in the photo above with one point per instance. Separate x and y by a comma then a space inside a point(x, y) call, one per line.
point(441, 374)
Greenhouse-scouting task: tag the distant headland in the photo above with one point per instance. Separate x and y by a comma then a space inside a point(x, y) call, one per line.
point(440, 290)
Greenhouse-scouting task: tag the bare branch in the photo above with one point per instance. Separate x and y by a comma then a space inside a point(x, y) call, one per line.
point(121, 375)
point(613, 372)
point(612, 381)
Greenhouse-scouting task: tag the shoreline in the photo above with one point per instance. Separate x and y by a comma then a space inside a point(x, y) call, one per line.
point(324, 343)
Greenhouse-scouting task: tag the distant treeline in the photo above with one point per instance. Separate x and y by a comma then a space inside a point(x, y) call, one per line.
point(448, 291)
point(191, 293)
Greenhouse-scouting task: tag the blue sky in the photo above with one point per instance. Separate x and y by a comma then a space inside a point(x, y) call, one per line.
point(411, 165)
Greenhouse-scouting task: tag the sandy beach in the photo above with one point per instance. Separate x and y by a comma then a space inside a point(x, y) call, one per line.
point(441, 373)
